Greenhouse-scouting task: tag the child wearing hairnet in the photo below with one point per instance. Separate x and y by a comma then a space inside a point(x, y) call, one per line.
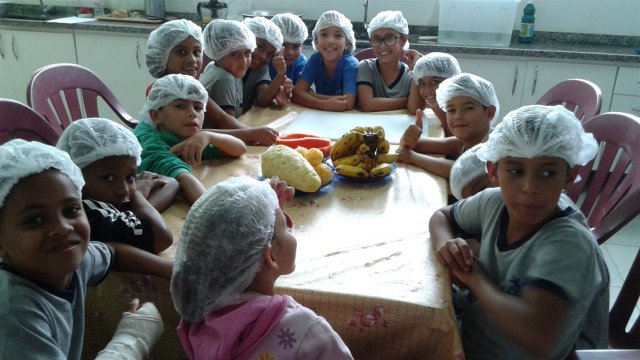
point(332, 69)
point(235, 243)
point(471, 106)
point(175, 47)
point(294, 33)
point(48, 262)
point(538, 285)
point(468, 174)
point(108, 155)
point(229, 44)
point(428, 72)
point(384, 81)
point(171, 134)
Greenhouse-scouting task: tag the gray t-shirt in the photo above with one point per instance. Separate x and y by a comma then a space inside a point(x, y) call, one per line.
point(39, 323)
point(369, 74)
point(223, 88)
point(251, 80)
point(561, 257)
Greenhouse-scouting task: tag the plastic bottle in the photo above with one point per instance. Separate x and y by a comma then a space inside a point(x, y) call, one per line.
point(98, 10)
point(527, 24)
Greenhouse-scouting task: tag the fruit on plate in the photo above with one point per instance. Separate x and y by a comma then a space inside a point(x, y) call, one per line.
point(363, 152)
point(314, 156)
point(307, 141)
point(291, 166)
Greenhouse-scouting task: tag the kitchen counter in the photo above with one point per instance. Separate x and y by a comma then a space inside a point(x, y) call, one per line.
point(564, 47)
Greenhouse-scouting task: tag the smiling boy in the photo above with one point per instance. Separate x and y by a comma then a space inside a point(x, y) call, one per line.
point(538, 283)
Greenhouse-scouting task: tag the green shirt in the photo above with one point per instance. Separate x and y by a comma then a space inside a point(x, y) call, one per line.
point(156, 152)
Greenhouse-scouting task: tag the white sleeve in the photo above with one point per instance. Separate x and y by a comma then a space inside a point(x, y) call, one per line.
point(322, 342)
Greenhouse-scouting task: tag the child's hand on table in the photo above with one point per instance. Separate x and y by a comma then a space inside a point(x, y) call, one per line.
point(412, 135)
point(147, 181)
point(190, 149)
point(263, 135)
point(455, 254)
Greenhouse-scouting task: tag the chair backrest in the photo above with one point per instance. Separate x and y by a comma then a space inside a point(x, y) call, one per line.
point(622, 310)
point(18, 121)
point(582, 97)
point(368, 54)
point(63, 93)
point(608, 190)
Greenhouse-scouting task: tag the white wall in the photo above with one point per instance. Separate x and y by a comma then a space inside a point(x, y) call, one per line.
point(614, 17)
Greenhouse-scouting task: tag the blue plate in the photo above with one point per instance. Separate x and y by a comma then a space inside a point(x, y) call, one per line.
point(362, 180)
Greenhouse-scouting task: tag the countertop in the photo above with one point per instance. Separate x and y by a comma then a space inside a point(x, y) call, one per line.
point(558, 46)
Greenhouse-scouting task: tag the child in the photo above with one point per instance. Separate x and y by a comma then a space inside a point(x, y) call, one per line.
point(48, 260)
point(108, 155)
point(229, 43)
point(234, 245)
point(258, 87)
point(333, 69)
point(175, 47)
point(471, 105)
point(171, 133)
point(538, 284)
point(384, 82)
point(468, 175)
point(294, 33)
point(429, 71)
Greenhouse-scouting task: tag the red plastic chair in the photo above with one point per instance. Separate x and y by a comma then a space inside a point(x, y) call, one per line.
point(608, 190)
point(582, 97)
point(18, 121)
point(63, 93)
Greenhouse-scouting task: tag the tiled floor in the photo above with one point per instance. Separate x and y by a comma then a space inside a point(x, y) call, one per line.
point(619, 253)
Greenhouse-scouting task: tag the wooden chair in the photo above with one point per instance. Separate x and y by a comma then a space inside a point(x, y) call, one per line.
point(18, 121)
point(608, 190)
point(63, 93)
point(619, 317)
point(582, 97)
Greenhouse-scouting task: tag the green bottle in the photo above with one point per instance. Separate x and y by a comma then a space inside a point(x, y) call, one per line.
point(526, 25)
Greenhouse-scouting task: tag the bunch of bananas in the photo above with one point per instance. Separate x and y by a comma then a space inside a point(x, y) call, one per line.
point(363, 152)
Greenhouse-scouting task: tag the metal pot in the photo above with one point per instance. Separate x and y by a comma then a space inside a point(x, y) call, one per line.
point(155, 8)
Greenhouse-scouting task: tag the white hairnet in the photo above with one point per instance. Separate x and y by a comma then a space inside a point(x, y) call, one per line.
point(537, 130)
point(334, 18)
point(92, 139)
point(389, 19)
point(473, 86)
point(221, 245)
point(466, 169)
point(163, 39)
point(170, 88)
point(224, 36)
point(436, 64)
point(294, 30)
point(265, 29)
point(20, 159)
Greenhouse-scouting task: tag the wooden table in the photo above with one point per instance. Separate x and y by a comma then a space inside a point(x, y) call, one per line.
point(364, 262)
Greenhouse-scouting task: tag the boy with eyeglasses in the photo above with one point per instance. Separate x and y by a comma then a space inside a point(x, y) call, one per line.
point(384, 82)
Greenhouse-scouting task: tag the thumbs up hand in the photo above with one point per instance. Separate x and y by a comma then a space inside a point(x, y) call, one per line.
point(411, 136)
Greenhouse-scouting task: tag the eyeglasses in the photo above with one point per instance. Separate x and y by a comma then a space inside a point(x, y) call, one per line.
point(388, 40)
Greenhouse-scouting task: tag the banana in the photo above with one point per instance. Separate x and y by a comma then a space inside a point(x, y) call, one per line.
point(359, 129)
point(363, 149)
point(351, 171)
point(346, 145)
point(381, 170)
point(386, 158)
point(383, 146)
point(379, 130)
point(366, 163)
point(352, 160)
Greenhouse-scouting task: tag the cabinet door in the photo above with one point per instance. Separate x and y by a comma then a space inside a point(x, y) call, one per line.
point(542, 75)
point(506, 76)
point(24, 52)
point(119, 60)
point(626, 103)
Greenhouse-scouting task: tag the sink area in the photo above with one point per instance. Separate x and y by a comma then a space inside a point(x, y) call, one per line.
point(35, 13)
point(32, 17)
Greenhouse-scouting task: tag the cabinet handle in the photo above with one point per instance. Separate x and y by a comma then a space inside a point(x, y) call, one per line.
point(138, 54)
point(515, 81)
point(535, 80)
point(635, 109)
point(1, 50)
point(13, 47)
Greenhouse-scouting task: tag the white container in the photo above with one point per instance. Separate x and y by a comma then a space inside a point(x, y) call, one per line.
point(477, 22)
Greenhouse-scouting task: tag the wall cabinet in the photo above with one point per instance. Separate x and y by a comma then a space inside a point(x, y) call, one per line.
point(119, 60)
point(523, 82)
point(23, 52)
point(626, 95)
